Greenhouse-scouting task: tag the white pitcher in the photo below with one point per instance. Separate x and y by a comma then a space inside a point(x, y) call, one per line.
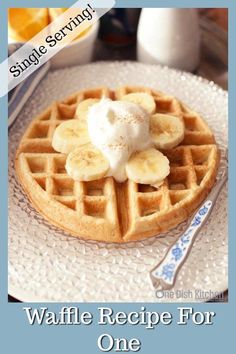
point(170, 37)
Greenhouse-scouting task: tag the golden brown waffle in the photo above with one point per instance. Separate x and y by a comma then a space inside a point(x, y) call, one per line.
point(105, 210)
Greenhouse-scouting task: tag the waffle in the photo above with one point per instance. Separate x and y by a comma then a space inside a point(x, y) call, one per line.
point(105, 210)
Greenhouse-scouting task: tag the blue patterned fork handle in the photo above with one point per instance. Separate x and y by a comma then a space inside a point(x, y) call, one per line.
point(163, 276)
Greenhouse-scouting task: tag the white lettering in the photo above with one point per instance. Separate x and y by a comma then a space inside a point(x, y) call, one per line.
point(197, 317)
point(106, 343)
point(35, 315)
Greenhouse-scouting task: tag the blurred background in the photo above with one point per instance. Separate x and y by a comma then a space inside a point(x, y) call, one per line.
point(195, 40)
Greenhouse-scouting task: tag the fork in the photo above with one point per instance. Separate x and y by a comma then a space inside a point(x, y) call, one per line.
point(164, 274)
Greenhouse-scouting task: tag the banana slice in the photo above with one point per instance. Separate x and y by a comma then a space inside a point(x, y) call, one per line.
point(83, 107)
point(158, 184)
point(143, 99)
point(166, 131)
point(86, 163)
point(147, 167)
point(68, 135)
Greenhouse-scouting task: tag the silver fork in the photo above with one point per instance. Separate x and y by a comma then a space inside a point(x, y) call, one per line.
point(164, 274)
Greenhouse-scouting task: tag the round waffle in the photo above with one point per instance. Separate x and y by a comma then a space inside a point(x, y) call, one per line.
point(105, 210)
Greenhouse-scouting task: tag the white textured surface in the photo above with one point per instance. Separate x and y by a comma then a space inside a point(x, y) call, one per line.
point(45, 264)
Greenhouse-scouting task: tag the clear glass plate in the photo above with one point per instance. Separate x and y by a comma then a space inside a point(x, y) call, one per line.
point(46, 264)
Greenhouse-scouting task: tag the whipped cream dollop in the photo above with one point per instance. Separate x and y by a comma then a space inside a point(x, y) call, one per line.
point(117, 129)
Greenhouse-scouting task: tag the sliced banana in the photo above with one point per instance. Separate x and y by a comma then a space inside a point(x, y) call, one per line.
point(86, 163)
point(83, 107)
point(158, 184)
point(68, 135)
point(147, 167)
point(166, 131)
point(143, 99)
